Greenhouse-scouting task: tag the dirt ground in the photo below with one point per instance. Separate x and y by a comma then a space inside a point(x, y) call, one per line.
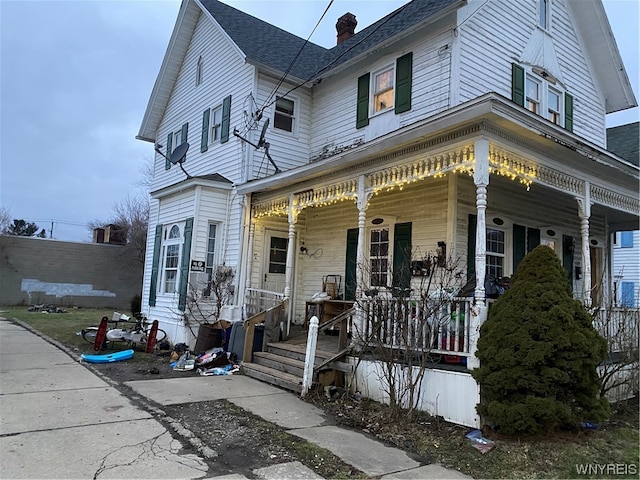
point(244, 442)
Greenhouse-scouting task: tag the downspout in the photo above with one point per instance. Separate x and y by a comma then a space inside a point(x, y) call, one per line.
point(245, 259)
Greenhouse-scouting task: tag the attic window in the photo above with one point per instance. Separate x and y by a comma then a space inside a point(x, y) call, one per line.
point(544, 10)
point(199, 67)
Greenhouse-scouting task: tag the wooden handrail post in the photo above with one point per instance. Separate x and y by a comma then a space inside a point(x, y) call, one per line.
point(310, 356)
point(248, 341)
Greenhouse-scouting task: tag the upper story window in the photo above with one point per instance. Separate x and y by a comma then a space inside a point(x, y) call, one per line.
point(544, 11)
point(216, 124)
point(284, 114)
point(533, 94)
point(174, 139)
point(199, 68)
point(385, 89)
point(537, 91)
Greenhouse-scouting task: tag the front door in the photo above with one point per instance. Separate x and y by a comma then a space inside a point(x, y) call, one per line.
point(275, 261)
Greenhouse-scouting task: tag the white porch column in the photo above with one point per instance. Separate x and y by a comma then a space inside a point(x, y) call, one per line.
point(363, 203)
point(584, 211)
point(479, 312)
point(291, 249)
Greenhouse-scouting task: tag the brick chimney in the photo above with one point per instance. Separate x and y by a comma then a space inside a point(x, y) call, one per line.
point(346, 27)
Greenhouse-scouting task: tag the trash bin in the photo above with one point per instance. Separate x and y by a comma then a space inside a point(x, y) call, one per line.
point(209, 336)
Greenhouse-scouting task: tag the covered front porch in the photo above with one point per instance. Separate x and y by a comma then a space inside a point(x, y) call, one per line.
point(473, 199)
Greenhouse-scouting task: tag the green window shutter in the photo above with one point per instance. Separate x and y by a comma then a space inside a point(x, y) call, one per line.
point(401, 281)
point(167, 163)
point(404, 69)
point(362, 112)
point(226, 119)
point(155, 265)
point(519, 245)
point(351, 280)
point(533, 238)
point(204, 139)
point(185, 132)
point(471, 247)
point(567, 256)
point(568, 112)
point(517, 84)
point(184, 267)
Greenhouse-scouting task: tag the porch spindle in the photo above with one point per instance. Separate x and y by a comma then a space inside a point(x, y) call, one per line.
point(584, 211)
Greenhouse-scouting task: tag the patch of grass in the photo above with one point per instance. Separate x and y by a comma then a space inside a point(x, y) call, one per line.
point(63, 327)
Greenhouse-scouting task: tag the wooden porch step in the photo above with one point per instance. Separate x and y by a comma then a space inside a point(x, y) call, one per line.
point(297, 352)
point(272, 376)
point(279, 362)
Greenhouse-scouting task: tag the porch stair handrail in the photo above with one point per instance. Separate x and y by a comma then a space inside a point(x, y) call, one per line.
point(250, 329)
point(310, 369)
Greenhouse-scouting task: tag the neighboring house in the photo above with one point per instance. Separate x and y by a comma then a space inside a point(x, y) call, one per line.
point(624, 141)
point(473, 127)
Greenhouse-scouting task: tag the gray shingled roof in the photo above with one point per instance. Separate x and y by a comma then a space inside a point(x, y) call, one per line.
point(269, 45)
point(624, 141)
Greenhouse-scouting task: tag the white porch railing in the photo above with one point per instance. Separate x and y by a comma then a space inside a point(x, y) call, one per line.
point(260, 300)
point(403, 323)
point(619, 326)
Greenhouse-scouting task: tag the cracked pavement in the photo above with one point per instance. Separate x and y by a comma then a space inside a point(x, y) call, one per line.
point(59, 420)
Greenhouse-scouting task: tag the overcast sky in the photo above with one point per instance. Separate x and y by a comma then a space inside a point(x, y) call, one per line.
point(75, 78)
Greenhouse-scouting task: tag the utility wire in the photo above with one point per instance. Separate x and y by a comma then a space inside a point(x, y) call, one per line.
point(284, 76)
point(332, 62)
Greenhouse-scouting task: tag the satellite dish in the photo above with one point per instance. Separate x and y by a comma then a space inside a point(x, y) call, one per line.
point(262, 134)
point(177, 156)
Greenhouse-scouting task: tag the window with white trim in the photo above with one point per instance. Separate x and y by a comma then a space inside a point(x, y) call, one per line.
point(283, 116)
point(495, 253)
point(379, 240)
point(533, 94)
point(171, 251)
point(177, 139)
point(210, 263)
point(383, 90)
point(544, 14)
point(216, 124)
point(544, 98)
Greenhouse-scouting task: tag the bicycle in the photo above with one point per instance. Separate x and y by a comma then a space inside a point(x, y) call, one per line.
point(134, 335)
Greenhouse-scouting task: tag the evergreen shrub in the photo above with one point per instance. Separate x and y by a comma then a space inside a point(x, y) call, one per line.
point(538, 354)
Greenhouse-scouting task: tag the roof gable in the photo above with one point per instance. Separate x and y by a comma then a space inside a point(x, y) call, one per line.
point(601, 47)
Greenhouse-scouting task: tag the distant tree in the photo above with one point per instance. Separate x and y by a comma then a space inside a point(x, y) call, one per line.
point(22, 228)
point(42, 234)
point(538, 354)
point(5, 220)
point(132, 214)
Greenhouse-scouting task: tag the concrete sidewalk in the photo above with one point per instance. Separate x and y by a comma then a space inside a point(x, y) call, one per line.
point(60, 420)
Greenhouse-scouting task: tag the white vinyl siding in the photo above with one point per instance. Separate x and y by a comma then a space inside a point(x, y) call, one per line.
point(498, 32)
point(626, 262)
point(187, 102)
point(430, 95)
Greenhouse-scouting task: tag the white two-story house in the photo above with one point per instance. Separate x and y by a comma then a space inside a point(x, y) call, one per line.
point(470, 127)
